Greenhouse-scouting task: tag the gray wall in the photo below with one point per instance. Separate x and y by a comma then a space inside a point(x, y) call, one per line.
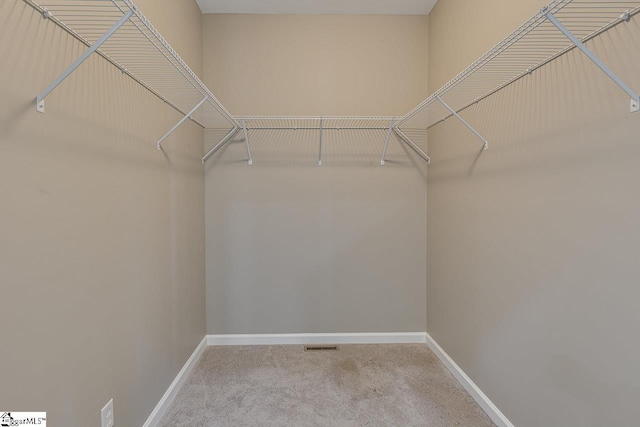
point(292, 247)
point(101, 236)
point(532, 245)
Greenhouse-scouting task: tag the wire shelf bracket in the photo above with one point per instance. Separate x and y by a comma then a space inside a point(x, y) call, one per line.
point(246, 140)
point(464, 122)
point(40, 98)
point(320, 152)
point(635, 99)
point(386, 144)
point(187, 116)
point(233, 132)
point(411, 144)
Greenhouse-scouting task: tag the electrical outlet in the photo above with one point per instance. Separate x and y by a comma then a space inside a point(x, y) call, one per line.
point(107, 414)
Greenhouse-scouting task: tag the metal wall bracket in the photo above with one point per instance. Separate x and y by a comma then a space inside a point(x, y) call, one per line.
point(464, 122)
point(626, 16)
point(220, 144)
point(40, 98)
point(188, 115)
point(411, 144)
point(246, 139)
point(635, 99)
point(386, 144)
point(320, 153)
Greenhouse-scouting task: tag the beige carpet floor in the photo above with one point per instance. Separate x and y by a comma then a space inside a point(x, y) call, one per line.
point(358, 385)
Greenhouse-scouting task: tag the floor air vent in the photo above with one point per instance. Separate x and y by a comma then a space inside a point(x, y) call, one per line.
point(320, 347)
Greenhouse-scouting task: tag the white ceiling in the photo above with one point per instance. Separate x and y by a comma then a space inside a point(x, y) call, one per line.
point(319, 7)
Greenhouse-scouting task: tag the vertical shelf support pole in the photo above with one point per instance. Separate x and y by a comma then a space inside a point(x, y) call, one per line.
point(246, 140)
point(320, 153)
point(635, 99)
point(386, 144)
point(411, 144)
point(464, 122)
point(188, 115)
point(40, 98)
point(220, 144)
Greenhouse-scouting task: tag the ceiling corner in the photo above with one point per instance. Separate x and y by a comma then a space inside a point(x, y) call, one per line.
point(199, 3)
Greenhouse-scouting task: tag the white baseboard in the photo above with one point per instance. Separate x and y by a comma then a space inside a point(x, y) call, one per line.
point(170, 394)
point(487, 405)
point(283, 339)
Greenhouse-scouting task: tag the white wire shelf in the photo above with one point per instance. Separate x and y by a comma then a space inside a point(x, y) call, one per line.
point(317, 123)
point(322, 125)
point(541, 39)
point(119, 32)
point(559, 27)
point(139, 50)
